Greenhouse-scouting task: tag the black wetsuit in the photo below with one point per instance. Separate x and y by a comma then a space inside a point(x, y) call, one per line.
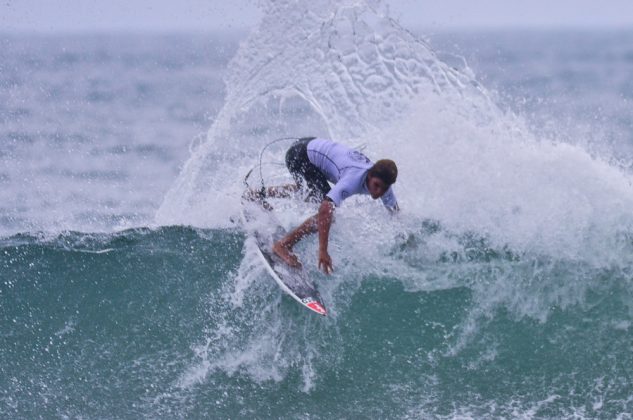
point(302, 170)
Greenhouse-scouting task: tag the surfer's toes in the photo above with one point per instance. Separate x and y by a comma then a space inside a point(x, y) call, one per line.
point(286, 255)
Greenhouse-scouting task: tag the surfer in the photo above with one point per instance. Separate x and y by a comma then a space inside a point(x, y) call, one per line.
point(313, 162)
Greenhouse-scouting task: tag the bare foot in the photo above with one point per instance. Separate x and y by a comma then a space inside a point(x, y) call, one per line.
point(286, 255)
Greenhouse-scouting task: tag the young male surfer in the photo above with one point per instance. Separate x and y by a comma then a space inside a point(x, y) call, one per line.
point(315, 161)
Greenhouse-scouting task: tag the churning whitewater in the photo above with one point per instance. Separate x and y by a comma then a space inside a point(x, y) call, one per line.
point(502, 288)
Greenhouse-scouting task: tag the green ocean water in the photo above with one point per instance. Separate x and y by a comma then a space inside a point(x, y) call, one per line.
point(149, 323)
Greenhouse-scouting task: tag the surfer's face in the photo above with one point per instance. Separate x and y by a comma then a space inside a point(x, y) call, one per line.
point(376, 186)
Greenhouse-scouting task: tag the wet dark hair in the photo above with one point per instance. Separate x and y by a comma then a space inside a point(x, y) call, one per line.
point(386, 170)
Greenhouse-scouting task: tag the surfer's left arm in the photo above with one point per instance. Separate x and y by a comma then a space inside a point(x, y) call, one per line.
point(324, 221)
point(390, 202)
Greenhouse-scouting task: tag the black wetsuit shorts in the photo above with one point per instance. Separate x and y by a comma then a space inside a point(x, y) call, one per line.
point(304, 171)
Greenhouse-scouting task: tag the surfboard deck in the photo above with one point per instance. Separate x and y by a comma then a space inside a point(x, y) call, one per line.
point(294, 281)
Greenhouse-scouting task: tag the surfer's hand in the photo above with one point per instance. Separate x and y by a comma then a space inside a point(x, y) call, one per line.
point(325, 262)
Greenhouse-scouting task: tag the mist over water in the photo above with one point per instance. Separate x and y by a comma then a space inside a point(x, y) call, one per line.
point(502, 289)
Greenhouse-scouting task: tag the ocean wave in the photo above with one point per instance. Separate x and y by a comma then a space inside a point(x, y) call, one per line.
point(148, 322)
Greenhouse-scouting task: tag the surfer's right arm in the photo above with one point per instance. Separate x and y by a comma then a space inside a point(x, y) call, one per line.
point(324, 221)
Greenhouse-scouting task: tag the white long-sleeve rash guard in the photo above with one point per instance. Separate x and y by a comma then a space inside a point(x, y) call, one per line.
point(346, 168)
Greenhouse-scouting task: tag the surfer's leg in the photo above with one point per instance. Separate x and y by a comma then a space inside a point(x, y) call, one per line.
point(279, 191)
point(318, 186)
point(283, 247)
point(296, 159)
point(304, 172)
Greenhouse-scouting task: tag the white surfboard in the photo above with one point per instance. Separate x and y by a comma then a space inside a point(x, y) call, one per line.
point(293, 281)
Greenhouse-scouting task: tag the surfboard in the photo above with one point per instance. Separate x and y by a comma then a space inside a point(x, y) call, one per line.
point(294, 281)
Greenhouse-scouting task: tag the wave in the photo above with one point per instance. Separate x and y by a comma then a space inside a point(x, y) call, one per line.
point(345, 70)
point(170, 321)
point(510, 256)
point(502, 289)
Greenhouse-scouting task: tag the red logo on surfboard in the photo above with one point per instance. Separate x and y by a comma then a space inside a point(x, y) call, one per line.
point(314, 305)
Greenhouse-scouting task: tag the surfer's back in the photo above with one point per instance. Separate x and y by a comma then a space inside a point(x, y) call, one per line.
point(333, 159)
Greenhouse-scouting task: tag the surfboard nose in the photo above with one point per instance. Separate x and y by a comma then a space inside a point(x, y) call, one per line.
point(317, 307)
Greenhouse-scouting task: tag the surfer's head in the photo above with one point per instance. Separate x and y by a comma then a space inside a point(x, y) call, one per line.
point(380, 177)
